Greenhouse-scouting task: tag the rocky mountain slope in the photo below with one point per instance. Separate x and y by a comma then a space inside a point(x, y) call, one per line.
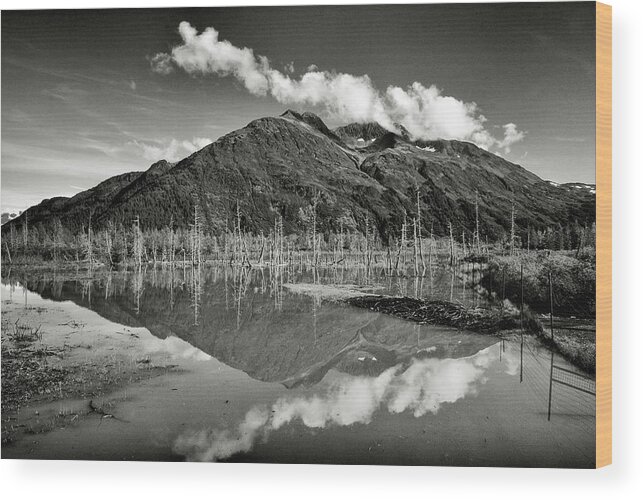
point(277, 165)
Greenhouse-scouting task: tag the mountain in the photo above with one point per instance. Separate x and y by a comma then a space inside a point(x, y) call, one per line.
point(277, 165)
point(74, 211)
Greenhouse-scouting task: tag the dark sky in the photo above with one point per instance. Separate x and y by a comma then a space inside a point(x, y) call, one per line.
point(80, 102)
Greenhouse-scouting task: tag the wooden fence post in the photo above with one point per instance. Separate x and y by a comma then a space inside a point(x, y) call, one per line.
point(551, 308)
point(551, 381)
point(522, 301)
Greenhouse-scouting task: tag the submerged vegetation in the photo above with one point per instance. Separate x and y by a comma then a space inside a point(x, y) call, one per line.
point(440, 312)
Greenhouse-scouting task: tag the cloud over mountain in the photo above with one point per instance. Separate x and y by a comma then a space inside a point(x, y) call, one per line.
point(424, 111)
point(174, 150)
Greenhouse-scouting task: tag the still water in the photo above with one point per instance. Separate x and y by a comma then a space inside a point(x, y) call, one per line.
point(268, 375)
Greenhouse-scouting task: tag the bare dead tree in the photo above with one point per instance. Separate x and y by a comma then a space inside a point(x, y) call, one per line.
point(8, 251)
point(25, 233)
point(314, 227)
point(403, 241)
point(90, 250)
point(528, 239)
point(415, 245)
point(13, 236)
point(109, 244)
point(419, 231)
point(138, 242)
point(237, 230)
point(451, 259)
point(172, 241)
point(513, 229)
point(198, 235)
point(464, 243)
point(477, 233)
point(58, 236)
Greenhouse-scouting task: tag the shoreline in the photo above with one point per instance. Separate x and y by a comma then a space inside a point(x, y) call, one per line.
point(60, 364)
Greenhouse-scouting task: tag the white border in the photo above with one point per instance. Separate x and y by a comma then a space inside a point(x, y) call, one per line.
point(116, 481)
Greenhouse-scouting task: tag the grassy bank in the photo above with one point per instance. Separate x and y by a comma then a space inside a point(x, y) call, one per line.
point(572, 299)
point(573, 281)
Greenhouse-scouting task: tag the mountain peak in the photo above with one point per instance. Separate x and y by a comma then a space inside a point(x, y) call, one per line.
point(160, 167)
point(291, 113)
point(312, 120)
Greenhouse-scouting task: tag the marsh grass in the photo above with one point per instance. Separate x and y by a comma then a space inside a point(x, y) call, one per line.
point(573, 281)
point(576, 346)
point(25, 333)
point(572, 300)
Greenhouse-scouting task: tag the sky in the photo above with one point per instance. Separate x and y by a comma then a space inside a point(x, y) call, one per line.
point(89, 94)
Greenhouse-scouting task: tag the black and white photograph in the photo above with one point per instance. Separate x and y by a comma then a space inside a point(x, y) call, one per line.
point(347, 234)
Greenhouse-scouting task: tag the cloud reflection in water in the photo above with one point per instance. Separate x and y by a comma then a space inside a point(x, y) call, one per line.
point(421, 387)
point(174, 347)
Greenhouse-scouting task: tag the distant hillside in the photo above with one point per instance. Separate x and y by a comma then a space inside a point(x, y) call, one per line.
point(277, 165)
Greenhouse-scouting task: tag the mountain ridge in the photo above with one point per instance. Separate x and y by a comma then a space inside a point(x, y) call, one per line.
point(276, 165)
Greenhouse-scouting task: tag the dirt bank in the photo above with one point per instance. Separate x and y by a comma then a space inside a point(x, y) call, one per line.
point(55, 352)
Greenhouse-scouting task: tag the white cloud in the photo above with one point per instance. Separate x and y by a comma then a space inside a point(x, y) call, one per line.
point(67, 93)
point(428, 114)
point(205, 53)
point(424, 111)
point(512, 135)
point(162, 63)
point(12, 210)
point(172, 151)
point(422, 388)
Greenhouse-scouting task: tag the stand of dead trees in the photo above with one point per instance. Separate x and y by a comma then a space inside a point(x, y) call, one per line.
point(415, 247)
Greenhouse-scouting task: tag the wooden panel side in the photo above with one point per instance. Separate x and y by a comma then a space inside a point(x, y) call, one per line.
point(604, 235)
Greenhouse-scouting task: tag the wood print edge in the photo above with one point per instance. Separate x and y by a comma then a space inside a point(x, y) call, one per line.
point(604, 234)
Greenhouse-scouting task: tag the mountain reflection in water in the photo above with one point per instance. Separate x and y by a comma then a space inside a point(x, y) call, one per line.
point(330, 383)
point(245, 319)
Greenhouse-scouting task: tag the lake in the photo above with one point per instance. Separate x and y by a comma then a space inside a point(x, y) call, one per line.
point(267, 375)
